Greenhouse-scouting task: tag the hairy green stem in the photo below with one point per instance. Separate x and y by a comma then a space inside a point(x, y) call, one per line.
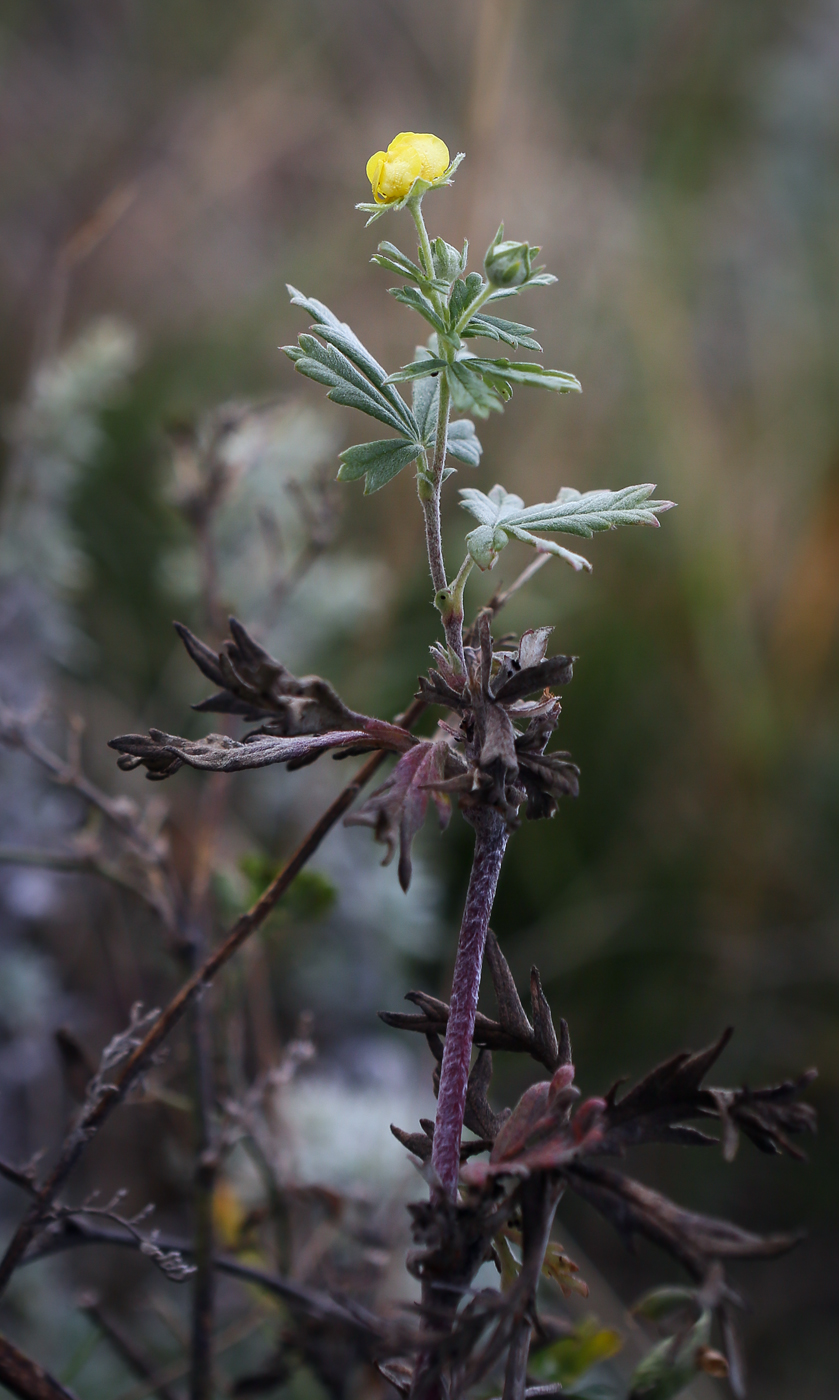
point(426, 258)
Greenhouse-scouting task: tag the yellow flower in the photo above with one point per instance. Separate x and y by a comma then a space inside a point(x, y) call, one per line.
point(409, 156)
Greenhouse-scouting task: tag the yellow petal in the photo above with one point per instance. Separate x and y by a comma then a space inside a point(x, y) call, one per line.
point(399, 170)
point(433, 153)
point(374, 168)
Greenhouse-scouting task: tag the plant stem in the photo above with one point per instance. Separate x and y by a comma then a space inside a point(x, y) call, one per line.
point(415, 206)
point(539, 1200)
point(490, 843)
point(204, 1178)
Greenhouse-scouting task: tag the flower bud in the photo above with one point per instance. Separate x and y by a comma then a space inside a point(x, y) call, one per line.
point(508, 264)
point(410, 156)
point(448, 262)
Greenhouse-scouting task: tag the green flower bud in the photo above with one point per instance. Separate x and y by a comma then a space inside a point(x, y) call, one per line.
point(448, 262)
point(508, 264)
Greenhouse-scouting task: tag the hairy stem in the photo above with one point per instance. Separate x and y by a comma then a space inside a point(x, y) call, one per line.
point(490, 844)
point(415, 206)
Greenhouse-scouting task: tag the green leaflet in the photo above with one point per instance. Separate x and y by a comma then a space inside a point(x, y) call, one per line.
point(424, 393)
point(418, 369)
point(497, 376)
point(394, 260)
point(377, 462)
point(463, 293)
point(567, 1360)
point(523, 372)
point(475, 393)
point(463, 442)
point(353, 376)
point(496, 328)
point(413, 297)
point(503, 515)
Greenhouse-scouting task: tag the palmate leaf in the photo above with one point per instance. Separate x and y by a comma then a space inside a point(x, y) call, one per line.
point(504, 516)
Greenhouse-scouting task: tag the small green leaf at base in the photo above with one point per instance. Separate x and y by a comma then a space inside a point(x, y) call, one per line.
point(377, 462)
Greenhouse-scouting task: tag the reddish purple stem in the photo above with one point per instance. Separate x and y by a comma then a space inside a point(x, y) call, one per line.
point(490, 843)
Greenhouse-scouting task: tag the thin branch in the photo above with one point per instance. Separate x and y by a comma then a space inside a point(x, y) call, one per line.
point(99, 1110)
point(51, 860)
point(17, 733)
point(78, 1231)
point(124, 1347)
point(26, 1379)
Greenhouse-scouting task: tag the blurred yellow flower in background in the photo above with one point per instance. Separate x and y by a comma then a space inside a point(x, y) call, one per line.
point(410, 155)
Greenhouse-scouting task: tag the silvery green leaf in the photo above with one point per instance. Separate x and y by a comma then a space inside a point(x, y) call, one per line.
point(503, 515)
point(495, 328)
point(463, 442)
point(413, 297)
point(377, 462)
point(316, 309)
point(470, 393)
point(463, 293)
point(424, 394)
point(326, 365)
point(392, 258)
point(348, 344)
point(524, 372)
point(353, 375)
point(418, 369)
point(538, 279)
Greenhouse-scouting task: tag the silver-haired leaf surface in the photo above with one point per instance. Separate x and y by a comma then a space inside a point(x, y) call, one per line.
point(504, 516)
point(377, 462)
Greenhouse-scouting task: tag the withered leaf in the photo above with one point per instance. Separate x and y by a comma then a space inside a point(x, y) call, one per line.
point(397, 809)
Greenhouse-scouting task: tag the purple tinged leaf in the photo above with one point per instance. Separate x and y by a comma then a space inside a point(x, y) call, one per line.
point(397, 809)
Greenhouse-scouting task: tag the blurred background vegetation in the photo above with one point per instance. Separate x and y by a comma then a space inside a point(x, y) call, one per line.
point(166, 169)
